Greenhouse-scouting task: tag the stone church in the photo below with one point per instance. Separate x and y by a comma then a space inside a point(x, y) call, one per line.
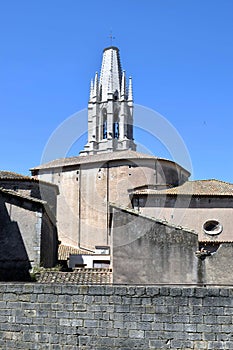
point(109, 176)
point(108, 167)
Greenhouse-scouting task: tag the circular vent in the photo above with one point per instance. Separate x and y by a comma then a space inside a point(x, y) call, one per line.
point(212, 227)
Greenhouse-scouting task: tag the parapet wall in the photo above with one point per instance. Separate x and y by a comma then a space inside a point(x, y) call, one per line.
point(38, 316)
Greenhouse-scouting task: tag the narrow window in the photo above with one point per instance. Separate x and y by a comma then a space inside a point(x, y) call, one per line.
point(105, 125)
point(115, 95)
point(105, 129)
point(116, 130)
point(116, 126)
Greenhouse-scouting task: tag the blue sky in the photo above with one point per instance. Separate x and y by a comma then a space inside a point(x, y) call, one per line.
point(179, 53)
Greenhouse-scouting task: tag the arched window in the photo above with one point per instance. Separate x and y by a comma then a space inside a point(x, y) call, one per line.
point(115, 95)
point(105, 133)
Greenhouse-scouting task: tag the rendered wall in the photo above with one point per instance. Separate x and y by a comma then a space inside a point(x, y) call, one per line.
point(86, 190)
point(69, 317)
point(20, 228)
point(193, 213)
point(49, 243)
point(218, 267)
point(28, 238)
point(148, 251)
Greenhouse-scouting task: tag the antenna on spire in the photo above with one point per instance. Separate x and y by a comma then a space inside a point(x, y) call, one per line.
point(111, 37)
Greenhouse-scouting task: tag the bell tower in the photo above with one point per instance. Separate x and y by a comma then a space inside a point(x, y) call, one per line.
point(110, 108)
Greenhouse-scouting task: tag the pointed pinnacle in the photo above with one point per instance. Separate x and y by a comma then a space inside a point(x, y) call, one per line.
point(130, 92)
point(123, 86)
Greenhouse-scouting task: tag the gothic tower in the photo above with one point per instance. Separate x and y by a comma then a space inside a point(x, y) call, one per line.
point(110, 108)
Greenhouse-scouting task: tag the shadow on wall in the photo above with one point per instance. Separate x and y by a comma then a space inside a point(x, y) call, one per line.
point(14, 261)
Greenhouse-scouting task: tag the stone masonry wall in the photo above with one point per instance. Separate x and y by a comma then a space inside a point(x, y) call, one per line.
point(37, 316)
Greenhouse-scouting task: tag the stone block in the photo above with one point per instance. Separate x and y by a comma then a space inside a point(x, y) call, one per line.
point(181, 344)
point(91, 323)
point(146, 317)
point(136, 333)
point(152, 291)
point(214, 345)
point(158, 344)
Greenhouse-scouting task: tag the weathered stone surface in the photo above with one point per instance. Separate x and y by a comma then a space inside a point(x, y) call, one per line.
point(115, 317)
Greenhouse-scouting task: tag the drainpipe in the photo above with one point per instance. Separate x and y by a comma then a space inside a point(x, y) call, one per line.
point(156, 173)
point(79, 207)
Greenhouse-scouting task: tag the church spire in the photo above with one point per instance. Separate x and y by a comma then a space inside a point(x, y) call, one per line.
point(110, 109)
point(110, 76)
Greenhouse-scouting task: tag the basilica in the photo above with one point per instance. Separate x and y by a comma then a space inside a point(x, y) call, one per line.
point(131, 212)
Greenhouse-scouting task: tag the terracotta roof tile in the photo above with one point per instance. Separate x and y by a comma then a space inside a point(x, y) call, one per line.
point(64, 251)
point(210, 187)
point(79, 276)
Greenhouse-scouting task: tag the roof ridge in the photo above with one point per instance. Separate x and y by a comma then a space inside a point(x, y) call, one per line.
point(152, 218)
point(13, 173)
point(213, 179)
point(21, 195)
point(101, 157)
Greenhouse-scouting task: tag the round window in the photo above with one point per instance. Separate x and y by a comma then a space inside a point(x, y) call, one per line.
point(212, 227)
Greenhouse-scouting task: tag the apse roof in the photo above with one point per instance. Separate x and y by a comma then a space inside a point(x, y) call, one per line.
point(101, 157)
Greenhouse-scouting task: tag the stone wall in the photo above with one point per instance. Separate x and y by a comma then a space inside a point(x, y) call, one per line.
point(37, 316)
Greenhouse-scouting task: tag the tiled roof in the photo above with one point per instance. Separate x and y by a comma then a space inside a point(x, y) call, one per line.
point(9, 175)
point(102, 157)
point(79, 276)
point(210, 187)
point(214, 242)
point(21, 195)
point(4, 174)
point(64, 251)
